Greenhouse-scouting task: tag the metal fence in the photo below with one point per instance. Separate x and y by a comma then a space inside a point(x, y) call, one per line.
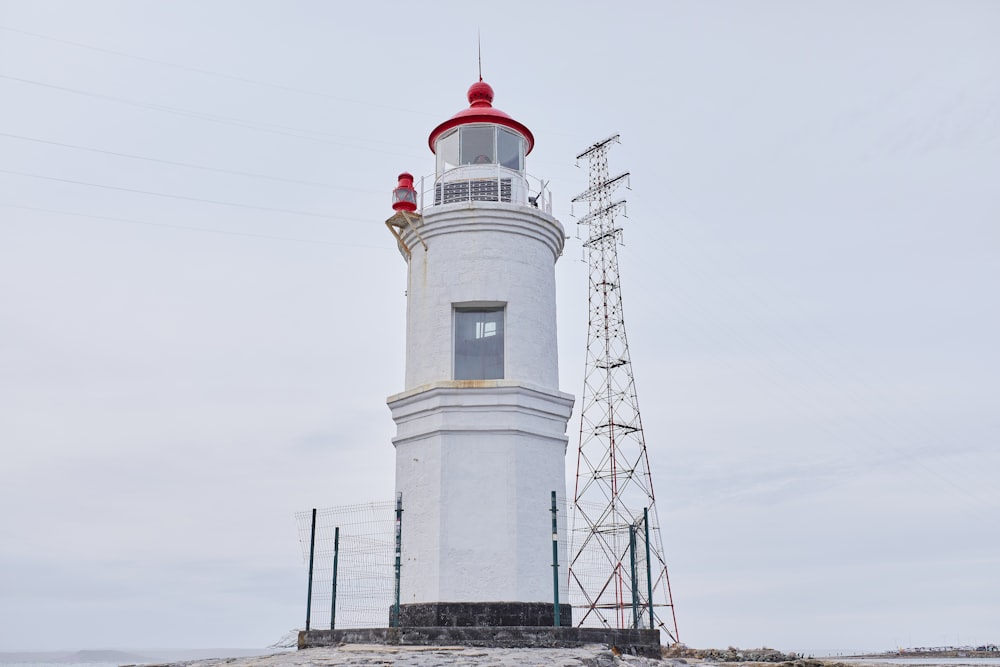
point(617, 578)
point(502, 185)
point(362, 537)
point(354, 567)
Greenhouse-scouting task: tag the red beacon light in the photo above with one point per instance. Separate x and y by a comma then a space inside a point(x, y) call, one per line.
point(404, 197)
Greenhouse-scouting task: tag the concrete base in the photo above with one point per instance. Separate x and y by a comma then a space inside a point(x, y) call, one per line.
point(634, 642)
point(482, 614)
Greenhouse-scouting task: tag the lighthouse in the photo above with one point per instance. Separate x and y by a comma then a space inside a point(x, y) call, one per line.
point(480, 423)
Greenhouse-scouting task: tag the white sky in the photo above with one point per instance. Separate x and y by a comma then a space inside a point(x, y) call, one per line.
point(810, 284)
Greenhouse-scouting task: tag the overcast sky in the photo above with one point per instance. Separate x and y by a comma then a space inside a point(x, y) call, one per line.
point(201, 312)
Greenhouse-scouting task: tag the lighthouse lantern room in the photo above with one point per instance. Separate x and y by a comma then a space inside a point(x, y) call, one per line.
point(480, 147)
point(480, 424)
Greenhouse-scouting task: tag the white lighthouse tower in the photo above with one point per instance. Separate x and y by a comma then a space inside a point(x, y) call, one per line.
point(481, 424)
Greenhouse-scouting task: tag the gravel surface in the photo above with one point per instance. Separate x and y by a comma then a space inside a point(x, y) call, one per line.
point(440, 656)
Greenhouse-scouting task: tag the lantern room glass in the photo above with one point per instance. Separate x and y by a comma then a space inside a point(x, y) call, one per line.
point(479, 144)
point(510, 149)
point(446, 149)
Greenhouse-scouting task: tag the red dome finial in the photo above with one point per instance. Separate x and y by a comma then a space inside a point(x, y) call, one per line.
point(480, 94)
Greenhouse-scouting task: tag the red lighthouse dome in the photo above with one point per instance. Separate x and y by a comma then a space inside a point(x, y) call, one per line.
point(480, 154)
point(480, 135)
point(481, 110)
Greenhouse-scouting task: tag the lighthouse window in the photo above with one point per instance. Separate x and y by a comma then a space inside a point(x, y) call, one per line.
point(477, 145)
point(446, 149)
point(479, 343)
point(510, 149)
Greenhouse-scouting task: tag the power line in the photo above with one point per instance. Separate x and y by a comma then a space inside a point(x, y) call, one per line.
point(298, 133)
point(190, 228)
point(182, 197)
point(185, 164)
point(199, 70)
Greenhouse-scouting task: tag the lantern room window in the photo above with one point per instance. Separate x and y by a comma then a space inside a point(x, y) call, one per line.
point(510, 149)
point(479, 343)
point(447, 151)
point(479, 144)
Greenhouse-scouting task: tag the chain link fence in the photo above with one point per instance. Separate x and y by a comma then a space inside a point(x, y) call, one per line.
point(362, 538)
point(365, 564)
point(617, 573)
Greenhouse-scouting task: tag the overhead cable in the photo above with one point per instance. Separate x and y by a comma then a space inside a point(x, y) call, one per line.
point(132, 156)
point(190, 228)
point(299, 133)
point(200, 70)
point(181, 197)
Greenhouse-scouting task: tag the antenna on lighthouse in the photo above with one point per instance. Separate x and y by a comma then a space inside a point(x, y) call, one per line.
point(479, 47)
point(617, 571)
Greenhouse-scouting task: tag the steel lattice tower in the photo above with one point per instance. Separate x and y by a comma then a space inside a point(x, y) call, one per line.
point(617, 571)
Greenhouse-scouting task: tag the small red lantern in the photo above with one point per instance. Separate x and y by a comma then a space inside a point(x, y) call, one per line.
point(404, 197)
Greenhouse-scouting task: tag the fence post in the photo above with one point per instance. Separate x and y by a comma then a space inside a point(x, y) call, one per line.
point(649, 569)
point(399, 542)
point(635, 583)
point(333, 595)
point(556, 620)
point(312, 553)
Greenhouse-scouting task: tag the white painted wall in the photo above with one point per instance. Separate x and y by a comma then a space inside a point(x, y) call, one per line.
point(476, 461)
point(476, 467)
point(483, 251)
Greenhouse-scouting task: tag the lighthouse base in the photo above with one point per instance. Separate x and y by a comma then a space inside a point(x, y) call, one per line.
point(482, 614)
point(629, 641)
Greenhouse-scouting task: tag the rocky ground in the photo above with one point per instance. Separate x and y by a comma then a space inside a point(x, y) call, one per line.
point(351, 655)
point(931, 654)
point(730, 654)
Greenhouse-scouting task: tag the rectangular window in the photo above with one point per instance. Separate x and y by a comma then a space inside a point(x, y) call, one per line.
point(479, 343)
point(447, 151)
point(477, 144)
point(509, 149)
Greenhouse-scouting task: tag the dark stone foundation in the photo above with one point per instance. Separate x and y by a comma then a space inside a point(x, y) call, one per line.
point(633, 642)
point(482, 614)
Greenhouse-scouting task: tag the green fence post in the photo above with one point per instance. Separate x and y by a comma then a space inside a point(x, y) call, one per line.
point(556, 620)
point(649, 569)
point(312, 553)
point(399, 544)
point(635, 583)
point(333, 595)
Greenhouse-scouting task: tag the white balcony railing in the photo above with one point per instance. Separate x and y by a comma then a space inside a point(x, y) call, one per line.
point(484, 183)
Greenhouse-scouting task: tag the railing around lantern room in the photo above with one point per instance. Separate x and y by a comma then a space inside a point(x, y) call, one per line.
point(493, 183)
